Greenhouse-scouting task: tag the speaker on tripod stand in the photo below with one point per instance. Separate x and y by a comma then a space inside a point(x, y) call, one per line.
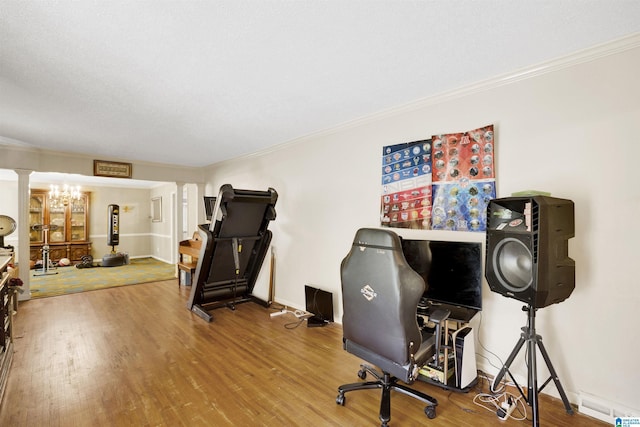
point(527, 258)
point(528, 249)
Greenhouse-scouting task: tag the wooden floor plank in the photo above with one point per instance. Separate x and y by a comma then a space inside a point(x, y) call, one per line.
point(135, 356)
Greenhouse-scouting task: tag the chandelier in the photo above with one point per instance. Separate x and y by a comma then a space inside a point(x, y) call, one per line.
point(59, 198)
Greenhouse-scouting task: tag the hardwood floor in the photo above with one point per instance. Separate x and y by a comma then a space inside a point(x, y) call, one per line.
point(135, 356)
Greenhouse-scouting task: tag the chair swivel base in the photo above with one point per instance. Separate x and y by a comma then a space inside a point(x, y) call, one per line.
point(386, 382)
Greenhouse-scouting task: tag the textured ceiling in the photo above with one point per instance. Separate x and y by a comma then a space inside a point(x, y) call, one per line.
point(197, 82)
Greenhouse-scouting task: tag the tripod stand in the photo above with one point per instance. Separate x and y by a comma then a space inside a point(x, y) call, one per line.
point(533, 340)
point(47, 265)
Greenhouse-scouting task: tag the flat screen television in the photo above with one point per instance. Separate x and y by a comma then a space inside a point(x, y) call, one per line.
point(320, 304)
point(452, 271)
point(209, 206)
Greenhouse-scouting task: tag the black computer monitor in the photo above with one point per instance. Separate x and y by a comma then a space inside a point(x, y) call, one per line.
point(452, 270)
point(209, 205)
point(320, 304)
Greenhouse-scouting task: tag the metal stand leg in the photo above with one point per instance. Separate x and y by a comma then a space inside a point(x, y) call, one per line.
point(554, 376)
point(47, 265)
point(237, 248)
point(46, 261)
point(533, 340)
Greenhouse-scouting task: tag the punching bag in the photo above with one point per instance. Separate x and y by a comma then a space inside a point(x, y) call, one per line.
point(113, 232)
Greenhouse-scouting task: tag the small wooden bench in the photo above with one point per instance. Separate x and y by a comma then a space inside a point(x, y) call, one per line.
point(189, 251)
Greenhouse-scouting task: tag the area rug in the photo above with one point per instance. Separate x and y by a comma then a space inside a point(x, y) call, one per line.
point(68, 280)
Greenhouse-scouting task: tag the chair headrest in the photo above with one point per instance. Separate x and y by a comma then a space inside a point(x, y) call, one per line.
point(376, 237)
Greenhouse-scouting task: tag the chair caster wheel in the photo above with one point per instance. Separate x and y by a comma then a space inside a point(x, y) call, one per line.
point(430, 412)
point(340, 399)
point(362, 374)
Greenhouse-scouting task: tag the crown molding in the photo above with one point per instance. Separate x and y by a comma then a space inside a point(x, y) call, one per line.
point(586, 55)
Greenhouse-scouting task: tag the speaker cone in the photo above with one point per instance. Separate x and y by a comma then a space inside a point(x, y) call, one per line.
point(512, 263)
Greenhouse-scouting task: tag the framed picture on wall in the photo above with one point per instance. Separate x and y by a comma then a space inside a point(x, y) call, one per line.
point(463, 179)
point(156, 209)
point(111, 169)
point(406, 185)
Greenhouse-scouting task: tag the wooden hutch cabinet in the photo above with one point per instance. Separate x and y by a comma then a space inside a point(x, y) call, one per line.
point(6, 322)
point(68, 236)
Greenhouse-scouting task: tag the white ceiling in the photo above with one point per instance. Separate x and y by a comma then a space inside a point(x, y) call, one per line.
point(197, 82)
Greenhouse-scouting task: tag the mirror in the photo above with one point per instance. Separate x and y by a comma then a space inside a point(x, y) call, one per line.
point(156, 209)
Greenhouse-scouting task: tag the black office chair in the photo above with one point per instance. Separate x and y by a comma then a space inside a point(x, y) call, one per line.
point(380, 295)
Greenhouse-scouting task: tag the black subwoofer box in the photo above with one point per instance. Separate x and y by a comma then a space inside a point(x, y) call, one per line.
point(527, 253)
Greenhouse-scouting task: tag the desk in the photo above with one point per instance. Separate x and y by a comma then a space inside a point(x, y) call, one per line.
point(450, 372)
point(458, 313)
point(189, 251)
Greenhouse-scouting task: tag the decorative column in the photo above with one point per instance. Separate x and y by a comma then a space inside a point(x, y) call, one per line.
point(23, 232)
point(179, 219)
point(200, 199)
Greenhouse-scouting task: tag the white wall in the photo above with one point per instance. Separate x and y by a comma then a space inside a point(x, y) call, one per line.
point(163, 242)
point(17, 157)
point(159, 245)
point(570, 128)
point(153, 240)
point(195, 206)
point(134, 221)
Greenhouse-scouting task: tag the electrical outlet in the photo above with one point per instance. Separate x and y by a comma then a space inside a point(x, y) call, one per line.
point(506, 409)
point(278, 313)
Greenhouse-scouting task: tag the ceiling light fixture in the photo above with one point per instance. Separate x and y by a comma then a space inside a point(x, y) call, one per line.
point(59, 198)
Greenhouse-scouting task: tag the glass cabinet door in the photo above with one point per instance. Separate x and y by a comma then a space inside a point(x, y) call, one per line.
point(57, 224)
point(36, 217)
point(78, 220)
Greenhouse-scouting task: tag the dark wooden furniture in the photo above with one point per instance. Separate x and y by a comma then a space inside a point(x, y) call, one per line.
point(70, 238)
point(6, 322)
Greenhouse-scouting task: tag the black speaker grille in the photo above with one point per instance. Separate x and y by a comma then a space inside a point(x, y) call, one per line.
point(512, 264)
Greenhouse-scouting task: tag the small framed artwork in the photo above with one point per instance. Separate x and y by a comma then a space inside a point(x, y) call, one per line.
point(111, 169)
point(156, 209)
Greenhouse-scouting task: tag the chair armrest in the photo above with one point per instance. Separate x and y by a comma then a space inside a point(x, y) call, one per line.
point(439, 315)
